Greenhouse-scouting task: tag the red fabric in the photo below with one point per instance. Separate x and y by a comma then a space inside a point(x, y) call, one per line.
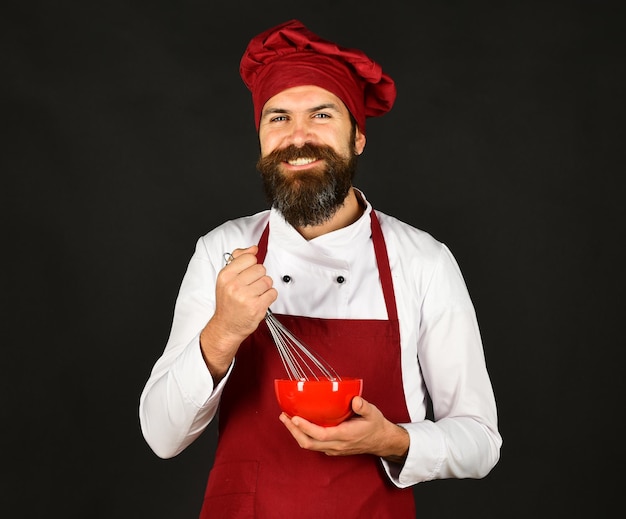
point(290, 55)
point(260, 471)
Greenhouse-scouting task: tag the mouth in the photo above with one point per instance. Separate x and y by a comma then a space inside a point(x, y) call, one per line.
point(301, 161)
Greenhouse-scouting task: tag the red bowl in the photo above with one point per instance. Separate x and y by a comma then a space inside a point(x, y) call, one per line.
point(323, 402)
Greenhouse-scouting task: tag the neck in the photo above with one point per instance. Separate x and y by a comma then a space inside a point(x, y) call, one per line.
point(349, 212)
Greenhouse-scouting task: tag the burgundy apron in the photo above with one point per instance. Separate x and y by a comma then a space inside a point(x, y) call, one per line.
point(260, 471)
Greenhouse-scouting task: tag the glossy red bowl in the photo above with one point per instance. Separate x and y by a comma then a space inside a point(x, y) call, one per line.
point(323, 402)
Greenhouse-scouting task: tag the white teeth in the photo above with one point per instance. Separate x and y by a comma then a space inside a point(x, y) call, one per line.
point(300, 162)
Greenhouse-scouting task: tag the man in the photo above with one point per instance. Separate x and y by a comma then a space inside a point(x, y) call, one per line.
point(386, 301)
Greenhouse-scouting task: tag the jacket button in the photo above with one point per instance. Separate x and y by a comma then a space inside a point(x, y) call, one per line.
point(340, 279)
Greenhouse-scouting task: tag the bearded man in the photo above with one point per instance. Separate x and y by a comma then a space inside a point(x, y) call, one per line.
point(379, 298)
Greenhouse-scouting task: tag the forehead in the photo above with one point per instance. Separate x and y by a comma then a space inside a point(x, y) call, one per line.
point(304, 97)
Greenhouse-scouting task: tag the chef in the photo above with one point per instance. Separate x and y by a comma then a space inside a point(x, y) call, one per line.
point(378, 298)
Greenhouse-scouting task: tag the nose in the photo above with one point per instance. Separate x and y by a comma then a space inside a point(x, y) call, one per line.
point(300, 133)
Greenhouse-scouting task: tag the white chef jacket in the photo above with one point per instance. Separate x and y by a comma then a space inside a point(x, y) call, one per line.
point(442, 353)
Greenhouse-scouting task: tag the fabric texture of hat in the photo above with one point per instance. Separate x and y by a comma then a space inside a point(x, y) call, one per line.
point(290, 55)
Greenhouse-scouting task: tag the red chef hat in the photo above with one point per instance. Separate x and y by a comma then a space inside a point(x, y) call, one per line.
point(290, 55)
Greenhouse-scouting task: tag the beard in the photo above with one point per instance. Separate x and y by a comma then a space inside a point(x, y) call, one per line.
point(310, 197)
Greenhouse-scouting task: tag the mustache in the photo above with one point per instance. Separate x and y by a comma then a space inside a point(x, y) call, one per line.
point(307, 150)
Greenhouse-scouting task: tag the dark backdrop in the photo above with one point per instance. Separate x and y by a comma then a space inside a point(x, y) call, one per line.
point(128, 134)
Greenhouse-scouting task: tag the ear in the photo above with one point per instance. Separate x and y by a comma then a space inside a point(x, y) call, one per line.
point(359, 141)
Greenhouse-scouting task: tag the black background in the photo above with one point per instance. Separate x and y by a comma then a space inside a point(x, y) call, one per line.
point(128, 134)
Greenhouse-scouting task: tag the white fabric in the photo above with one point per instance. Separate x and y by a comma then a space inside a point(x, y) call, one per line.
point(441, 344)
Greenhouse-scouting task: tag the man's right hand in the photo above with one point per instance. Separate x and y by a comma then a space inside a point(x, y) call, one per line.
point(243, 293)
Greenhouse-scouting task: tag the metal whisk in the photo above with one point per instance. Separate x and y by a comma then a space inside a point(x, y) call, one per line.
point(299, 361)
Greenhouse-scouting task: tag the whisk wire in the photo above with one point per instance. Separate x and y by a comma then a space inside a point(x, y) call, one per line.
point(299, 361)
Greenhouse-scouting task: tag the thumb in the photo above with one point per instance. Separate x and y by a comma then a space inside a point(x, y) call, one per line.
point(359, 405)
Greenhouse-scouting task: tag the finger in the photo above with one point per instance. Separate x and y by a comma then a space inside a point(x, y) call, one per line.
point(253, 249)
point(252, 274)
point(359, 405)
point(299, 436)
point(305, 426)
point(231, 257)
point(296, 426)
point(235, 267)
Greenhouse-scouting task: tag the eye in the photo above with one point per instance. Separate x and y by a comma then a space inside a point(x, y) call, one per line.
point(321, 115)
point(278, 118)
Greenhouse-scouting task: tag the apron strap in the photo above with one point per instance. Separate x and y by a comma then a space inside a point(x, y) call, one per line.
point(382, 259)
point(384, 270)
point(260, 256)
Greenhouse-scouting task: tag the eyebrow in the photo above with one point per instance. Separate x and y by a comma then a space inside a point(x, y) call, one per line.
point(325, 106)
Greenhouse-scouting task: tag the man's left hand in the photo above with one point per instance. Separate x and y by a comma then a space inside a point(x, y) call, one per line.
point(369, 432)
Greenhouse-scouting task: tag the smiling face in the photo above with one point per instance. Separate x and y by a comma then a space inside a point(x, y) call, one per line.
point(309, 148)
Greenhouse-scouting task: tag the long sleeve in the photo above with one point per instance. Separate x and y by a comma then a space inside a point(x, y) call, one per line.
point(462, 440)
point(179, 399)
